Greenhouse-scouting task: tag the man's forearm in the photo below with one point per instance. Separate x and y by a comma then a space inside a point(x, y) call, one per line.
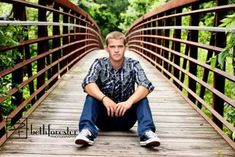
point(140, 93)
point(93, 90)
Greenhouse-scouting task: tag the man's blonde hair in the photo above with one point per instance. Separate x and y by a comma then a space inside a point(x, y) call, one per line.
point(115, 35)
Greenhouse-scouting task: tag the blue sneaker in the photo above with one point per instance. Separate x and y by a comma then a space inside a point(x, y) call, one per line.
point(84, 138)
point(150, 139)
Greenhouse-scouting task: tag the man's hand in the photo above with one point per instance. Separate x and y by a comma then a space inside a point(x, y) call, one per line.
point(122, 107)
point(110, 105)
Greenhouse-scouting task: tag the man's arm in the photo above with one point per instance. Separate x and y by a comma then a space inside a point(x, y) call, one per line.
point(93, 90)
point(140, 93)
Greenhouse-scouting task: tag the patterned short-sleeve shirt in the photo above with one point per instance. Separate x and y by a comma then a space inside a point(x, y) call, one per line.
point(119, 85)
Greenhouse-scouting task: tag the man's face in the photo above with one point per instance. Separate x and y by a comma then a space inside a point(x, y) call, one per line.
point(116, 49)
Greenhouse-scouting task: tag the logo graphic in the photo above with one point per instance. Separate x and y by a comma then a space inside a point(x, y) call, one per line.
point(22, 130)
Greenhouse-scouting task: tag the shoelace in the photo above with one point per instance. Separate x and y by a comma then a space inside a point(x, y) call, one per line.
point(150, 134)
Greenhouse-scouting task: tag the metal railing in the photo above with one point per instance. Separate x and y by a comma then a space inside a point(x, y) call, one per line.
point(170, 37)
point(63, 34)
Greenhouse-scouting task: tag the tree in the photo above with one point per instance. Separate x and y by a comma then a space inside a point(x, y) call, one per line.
point(105, 13)
point(136, 9)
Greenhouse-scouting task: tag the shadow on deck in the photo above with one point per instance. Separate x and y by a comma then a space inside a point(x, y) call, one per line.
point(182, 130)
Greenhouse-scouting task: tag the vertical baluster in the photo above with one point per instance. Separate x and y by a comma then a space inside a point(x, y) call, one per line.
point(79, 35)
point(166, 43)
point(186, 52)
point(148, 39)
point(177, 46)
point(55, 44)
point(83, 31)
point(86, 36)
point(206, 71)
point(71, 38)
point(194, 21)
point(171, 23)
point(142, 39)
point(159, 41)
point(42, 47)
point(219, 81)
point(2, 130)
point(18, 75)
point(65, 41)
point(153, 33)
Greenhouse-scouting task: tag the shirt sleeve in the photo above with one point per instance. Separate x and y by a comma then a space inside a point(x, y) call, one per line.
point(93, 73)
point(141, 78)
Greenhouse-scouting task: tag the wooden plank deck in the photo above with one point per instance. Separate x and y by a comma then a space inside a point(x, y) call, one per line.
point(182, 130)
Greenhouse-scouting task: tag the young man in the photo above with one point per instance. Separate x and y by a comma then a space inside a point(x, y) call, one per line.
point(112, 102)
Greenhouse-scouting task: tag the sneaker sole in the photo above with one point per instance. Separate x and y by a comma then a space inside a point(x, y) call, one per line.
point(83, 142)
point(150, 144)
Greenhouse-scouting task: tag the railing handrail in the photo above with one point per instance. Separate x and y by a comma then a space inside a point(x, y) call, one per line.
point(155, 12)
point(163, 8)
point(64, 3)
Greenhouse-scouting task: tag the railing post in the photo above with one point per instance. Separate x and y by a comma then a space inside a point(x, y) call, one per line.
point(18, 75)
point(55, 43)
point(176, 46)
point(159, 41)
point(71, 38)
point(141, 39)
point(86, 36)
point(2, 131)
point(219, 81)
point(149, 47)
point(81, 32)
point(186, 52)
point(166, 44)
point(42, 47)
point(29, 66)
point(145, 38)
point(153, 39)
point(206, 71)
point(194, 21)
point(65, 41)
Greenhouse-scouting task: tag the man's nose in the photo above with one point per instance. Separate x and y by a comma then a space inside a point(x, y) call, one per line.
point(116, 49)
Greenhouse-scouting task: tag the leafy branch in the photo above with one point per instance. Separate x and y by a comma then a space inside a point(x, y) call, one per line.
point(229, 50)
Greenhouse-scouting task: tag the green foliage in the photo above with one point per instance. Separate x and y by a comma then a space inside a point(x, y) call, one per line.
point(229, 50)
point(9, 36)
point(230, 116)
point(105, 13)
point(117, 15)
point(136, 9)
point(5, 9)
point(229, 23)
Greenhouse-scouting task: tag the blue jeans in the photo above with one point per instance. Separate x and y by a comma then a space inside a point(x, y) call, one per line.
point(95, 114)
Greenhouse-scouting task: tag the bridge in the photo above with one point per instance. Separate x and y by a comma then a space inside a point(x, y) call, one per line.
point(189, 109)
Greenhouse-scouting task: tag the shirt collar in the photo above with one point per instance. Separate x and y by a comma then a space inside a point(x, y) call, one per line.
point(124, 66)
